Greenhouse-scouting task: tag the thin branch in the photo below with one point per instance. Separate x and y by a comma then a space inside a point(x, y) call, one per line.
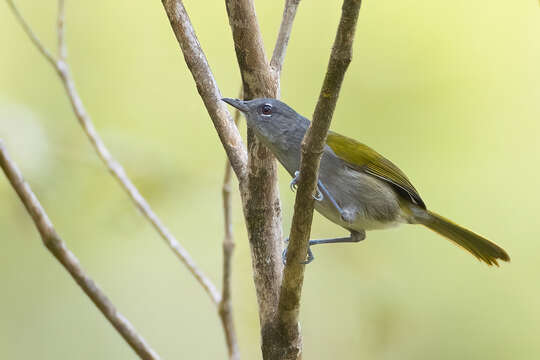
point(289, 12)
point(225, 305)
point(33, 37)
point(112, 165)
point(119, 174)
point(312, 149)
point(58, 248)
point(207, 87)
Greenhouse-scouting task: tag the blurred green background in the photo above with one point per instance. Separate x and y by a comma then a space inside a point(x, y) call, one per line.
point(450, 91)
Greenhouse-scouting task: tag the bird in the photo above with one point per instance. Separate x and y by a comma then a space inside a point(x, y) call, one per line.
point(358, 188)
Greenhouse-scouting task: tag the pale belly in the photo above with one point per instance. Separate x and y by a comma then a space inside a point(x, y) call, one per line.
point(367, 202)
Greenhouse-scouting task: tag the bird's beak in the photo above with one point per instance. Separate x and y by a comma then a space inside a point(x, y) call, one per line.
point(239, 104)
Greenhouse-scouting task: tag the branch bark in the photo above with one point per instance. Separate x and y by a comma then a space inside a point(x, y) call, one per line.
point(258, 188)
point(114, 167)
point(58, 248)
point(262, 208)
point(225, 305)
point(312, 149)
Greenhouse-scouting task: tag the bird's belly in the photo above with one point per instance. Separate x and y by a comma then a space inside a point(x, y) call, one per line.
point(367, 202)
point(360, 222)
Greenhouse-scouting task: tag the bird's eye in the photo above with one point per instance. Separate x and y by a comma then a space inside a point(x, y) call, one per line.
point(266, 109)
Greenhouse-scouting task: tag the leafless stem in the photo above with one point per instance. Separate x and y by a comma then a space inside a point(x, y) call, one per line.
point(33, 37)
point(58, 248)
point(289, 12)
point(112, 165)
point(312, 148)
point(225, 305)
point(207, 87)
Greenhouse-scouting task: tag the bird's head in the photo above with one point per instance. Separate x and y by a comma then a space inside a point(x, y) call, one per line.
point(273, 121)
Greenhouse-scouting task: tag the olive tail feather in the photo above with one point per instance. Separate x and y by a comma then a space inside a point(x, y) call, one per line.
point(483, 249)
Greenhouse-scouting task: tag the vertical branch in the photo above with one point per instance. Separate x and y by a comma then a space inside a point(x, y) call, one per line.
point(225, 305)
point(312, 149)
point(262, 208)
point(58, 248)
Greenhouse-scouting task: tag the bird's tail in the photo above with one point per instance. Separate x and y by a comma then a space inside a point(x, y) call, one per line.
point(483, 249)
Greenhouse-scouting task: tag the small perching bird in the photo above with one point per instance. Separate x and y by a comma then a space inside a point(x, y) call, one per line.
point(358, 188)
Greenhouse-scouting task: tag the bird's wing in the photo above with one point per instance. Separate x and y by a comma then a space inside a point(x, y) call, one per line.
point(363, 158)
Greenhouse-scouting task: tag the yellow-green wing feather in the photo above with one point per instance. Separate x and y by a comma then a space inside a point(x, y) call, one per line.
point(363, 158)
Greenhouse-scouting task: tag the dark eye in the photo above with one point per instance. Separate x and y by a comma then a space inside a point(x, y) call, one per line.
point(266, 109)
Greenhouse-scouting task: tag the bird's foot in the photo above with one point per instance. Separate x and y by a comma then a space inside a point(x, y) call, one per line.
point(309, 259)
point(294, 184)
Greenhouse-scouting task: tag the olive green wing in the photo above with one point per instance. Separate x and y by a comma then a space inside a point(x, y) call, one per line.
point(363, 158)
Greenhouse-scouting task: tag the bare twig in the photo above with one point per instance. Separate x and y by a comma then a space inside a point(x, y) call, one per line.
point(33, 37)
point(58, 248)
point(289, 12)
point(112, 165)
point(225, 305)
point(207, 86)
point(312, 148)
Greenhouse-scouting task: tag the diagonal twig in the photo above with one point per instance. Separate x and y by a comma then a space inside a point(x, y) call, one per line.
point(58, 248)
point(225, 305)
point(207, 86)
point(312, 149)
point(114, 167)
point(33, 37)
point(278, 56)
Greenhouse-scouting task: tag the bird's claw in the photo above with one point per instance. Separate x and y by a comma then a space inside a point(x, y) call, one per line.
point(294, 181)
point(309, 259)
point(318, 196)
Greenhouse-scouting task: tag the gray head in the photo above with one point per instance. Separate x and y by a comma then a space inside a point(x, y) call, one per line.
point(274, 122)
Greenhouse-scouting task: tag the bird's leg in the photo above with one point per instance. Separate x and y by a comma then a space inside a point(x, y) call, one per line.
point(356, 236)
point(317, 196)
point(346, 216)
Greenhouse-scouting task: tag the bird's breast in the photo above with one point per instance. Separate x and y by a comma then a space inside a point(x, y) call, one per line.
point(367, 202)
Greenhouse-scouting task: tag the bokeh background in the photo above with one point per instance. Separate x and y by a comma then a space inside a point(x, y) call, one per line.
point(450, 91)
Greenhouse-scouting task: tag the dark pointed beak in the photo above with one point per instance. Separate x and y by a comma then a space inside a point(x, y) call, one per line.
point(239, 104)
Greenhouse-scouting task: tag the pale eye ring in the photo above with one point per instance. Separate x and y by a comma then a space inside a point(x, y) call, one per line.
point(266, 110)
